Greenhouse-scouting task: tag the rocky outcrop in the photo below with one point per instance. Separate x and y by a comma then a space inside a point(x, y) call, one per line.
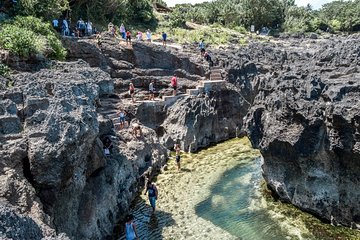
point(305, 120)
point(53, 171)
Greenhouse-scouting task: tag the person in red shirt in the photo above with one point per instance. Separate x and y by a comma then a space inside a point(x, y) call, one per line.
point(174, 84)
point(128, 37)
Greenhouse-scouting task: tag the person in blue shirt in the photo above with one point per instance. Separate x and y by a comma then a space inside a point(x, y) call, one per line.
point(202, 47)
point(164, 36)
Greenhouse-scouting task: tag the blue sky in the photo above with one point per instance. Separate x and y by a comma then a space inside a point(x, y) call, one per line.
point(315, 3)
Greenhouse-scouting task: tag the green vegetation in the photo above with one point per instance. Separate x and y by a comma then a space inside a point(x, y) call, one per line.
point(25, 36)
point(4, 70)
point(279, 14)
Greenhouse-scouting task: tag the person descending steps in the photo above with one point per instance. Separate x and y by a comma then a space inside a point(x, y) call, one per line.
point(152, 193)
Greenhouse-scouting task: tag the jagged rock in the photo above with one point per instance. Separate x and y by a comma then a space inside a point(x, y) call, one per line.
point(307, 129)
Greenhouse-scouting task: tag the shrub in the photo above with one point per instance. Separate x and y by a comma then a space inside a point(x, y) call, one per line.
point(29, 35)
point(20, 41)
point(4, 70)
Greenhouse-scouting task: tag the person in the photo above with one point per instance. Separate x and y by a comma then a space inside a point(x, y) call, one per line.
point(55, 24)
point(152, 90)
point(136, 130)
point(208, 59)
point(65, 28)
point(81, 27)
point(177, 158)
point(107, 146)
point(164, 36)
point(128, 37)
point(139, 36)
point(174, 84)
point(202, 47)
point(152, 193)
point(148, 35)
point(122, 31)
point(130, 228)
point(122, 118)
point(98, 39)
point(132, 91)
point(89, 28)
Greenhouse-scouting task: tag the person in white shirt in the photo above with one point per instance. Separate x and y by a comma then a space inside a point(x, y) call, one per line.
point(148, 35)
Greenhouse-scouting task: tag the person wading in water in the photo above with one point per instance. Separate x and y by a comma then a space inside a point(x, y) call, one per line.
point(130, 228)
point(152, 193)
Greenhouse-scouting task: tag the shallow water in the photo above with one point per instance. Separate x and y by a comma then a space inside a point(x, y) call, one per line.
point(216, 195)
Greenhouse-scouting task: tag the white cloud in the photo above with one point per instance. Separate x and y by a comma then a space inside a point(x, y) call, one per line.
point(172, 3)
point(316, 4)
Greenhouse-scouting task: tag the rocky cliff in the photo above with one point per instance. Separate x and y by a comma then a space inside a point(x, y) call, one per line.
point(296, 99)
point(305, 120)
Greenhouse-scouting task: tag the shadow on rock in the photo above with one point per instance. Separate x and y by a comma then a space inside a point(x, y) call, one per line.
point(149, 225)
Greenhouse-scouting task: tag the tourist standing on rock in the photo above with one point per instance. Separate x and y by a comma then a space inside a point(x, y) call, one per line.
point(122, 31)
point(152, 90)
point(164, 37)
point(122, 118)
point(89, 28)
point(65, 28)
point(130, 228)
point(139, 36)
point(208, 59)
point(153, 194)
point(128, 37)
point(55, 24)
point(202, 47)
point(81, 27)
point(177, 158)
point(132, 92)
point(174, 84)
point(148, 35)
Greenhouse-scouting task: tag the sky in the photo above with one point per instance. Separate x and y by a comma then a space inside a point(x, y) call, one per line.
point(316, 4)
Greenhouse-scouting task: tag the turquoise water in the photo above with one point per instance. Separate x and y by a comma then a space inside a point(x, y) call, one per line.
point(234, 205)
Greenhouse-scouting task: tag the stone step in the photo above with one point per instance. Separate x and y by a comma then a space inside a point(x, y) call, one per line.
point(192, 92)
point(213, 85)
point(112, 116)
point(107, 111)
point(169, 100)
point(215, 76)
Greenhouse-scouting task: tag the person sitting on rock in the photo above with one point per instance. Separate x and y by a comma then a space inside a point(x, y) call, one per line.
point(152, 90)
point(136, 130)
point(107, 146)
point(208, 59)
point(139, 36)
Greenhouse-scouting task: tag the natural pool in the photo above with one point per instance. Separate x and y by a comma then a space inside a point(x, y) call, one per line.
point(219, 195)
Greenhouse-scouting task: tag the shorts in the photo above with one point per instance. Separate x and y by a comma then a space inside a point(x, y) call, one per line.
point(177, 159)
point(174, 87)
point(152, 201)
point(132, 91)
point(128, 38)
point(122, 119)
point(164, 39)
point(152, 91)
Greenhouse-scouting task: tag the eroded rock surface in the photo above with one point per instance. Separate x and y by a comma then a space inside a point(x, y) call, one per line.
point(305, 120)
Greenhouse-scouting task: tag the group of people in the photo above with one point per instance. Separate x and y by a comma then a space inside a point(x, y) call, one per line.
point(80, 30)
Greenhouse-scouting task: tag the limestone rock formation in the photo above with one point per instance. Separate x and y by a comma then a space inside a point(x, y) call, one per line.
point(54, 173)
point(305, 120)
